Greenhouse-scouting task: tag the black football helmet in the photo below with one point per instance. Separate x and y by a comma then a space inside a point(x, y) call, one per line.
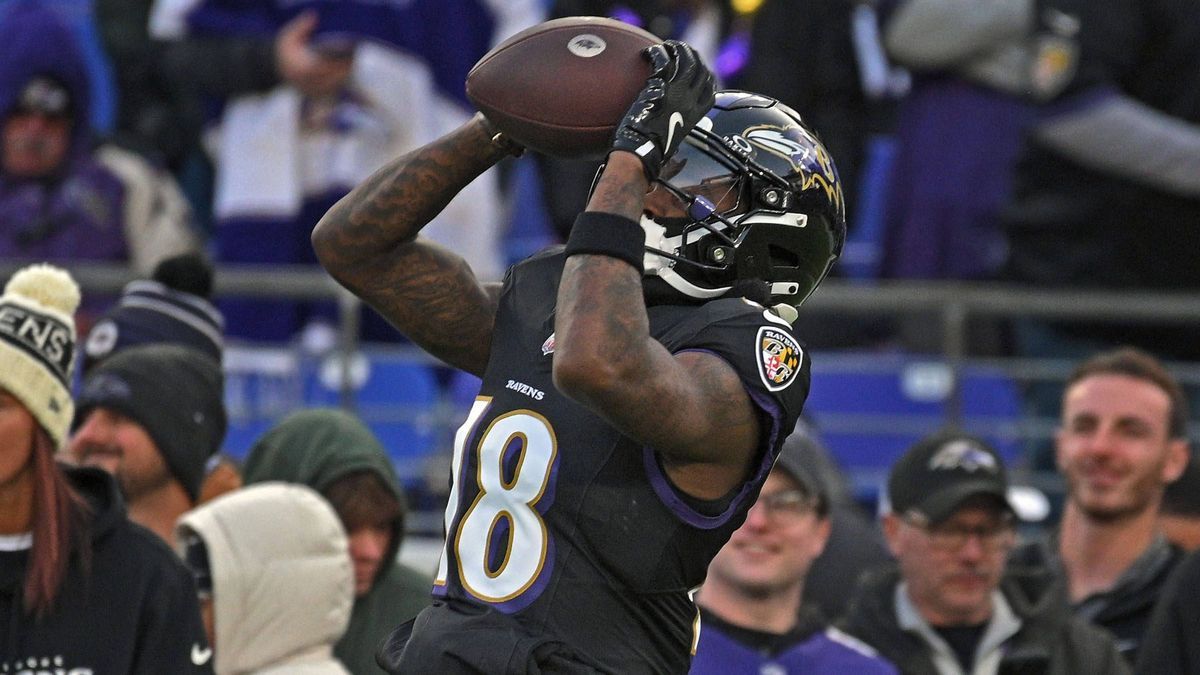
point(763, 203)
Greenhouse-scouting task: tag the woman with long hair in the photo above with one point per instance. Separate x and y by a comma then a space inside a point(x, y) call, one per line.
point(82, 589)
point(38, 505)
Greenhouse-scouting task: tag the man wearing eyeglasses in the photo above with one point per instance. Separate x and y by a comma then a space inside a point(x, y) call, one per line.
point(751, 615)
point(948, 609)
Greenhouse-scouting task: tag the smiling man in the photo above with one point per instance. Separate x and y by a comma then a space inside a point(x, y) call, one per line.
point(1122, 440)
point(152, 416)
point(948, 609)
point(750, 605)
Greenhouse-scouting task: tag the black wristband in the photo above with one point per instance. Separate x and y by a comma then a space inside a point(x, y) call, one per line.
point(597, 233)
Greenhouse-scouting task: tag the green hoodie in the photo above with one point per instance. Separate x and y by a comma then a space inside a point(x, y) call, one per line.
point(316, 447)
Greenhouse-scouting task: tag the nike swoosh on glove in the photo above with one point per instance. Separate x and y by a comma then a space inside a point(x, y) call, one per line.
point(677, 94)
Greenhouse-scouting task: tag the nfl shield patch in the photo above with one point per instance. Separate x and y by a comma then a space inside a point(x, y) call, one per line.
point(779, 358)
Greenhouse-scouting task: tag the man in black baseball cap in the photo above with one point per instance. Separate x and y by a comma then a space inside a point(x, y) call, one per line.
point(933, 479)
point(945, 610)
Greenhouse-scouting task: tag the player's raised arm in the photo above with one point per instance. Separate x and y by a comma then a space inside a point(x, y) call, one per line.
point(368, 242)
point(692, 408)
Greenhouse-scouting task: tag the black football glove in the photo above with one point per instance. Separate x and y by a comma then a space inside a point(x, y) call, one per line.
point(678, 93)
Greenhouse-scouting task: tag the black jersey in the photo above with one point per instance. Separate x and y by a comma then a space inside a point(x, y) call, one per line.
point(558, 521)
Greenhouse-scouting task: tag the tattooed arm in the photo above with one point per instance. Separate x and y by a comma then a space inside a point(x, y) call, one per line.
point(368, 242)
point(691, 407)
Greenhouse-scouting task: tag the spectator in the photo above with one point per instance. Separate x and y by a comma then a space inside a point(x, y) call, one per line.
point(855, 543)
point(1107, 191)
point(335, 454)
point(946, 610)
point(1179, 517)
point(173, 307)
point(1120, 442)
point(152, 416)
point(314, 101)
point(959, 133)
point(63, 197)
point(274, 579)
point(81, 587)
point(751, 614)
point(845, 88)
point(1172, 643)
point(155, 114)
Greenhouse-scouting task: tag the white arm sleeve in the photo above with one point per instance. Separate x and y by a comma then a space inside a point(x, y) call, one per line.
point(942, 33)
point(1124, 137)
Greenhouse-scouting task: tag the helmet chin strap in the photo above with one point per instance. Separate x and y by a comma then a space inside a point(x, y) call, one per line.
point(751, 289)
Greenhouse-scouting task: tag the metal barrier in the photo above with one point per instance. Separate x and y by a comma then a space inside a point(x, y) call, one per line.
point(952, 302)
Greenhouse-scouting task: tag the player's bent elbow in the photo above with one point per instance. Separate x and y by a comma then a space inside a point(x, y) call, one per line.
point(322, 243)
point(330, 250)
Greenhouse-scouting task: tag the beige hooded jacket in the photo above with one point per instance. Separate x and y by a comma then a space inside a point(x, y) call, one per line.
point(282, 580)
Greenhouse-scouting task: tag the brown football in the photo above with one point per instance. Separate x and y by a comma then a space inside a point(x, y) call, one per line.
point(561, 87)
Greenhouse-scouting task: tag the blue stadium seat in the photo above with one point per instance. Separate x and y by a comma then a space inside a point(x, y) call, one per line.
point(463, 389)
point(397, 398)
point(262, 385)
point(243, 433)
point(870, 408)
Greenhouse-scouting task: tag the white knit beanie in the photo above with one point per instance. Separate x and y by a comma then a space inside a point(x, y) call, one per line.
point(37, 344)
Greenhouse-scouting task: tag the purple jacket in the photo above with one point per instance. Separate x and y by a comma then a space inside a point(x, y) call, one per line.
point(78, 213)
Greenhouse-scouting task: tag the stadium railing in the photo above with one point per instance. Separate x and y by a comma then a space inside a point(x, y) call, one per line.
point(947, 387)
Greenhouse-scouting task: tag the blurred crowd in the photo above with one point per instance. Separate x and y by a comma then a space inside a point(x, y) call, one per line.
point(129, 544)
point(1048, 143)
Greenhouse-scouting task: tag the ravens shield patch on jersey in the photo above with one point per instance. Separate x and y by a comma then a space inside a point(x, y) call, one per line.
point(779, 357)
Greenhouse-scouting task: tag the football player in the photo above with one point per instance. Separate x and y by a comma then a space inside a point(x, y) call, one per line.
point(637, 384)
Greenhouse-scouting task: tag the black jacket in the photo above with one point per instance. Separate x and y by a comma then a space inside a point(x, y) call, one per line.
point(134, 610)
point(1124, 611)
point(1071, 226)
point(1172, 642)
point(1050, 640)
